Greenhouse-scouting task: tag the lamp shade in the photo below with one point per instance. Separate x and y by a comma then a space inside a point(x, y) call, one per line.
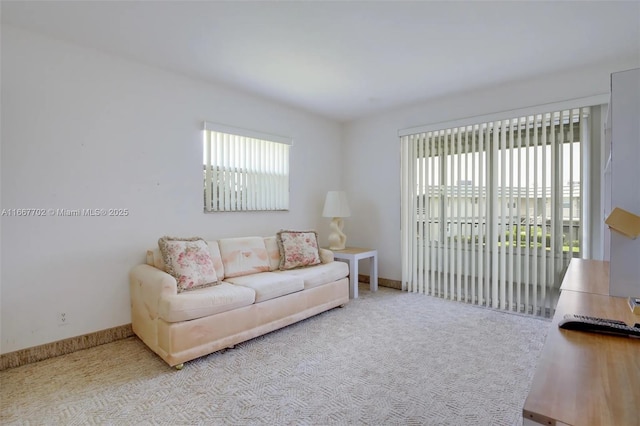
point(336, 205)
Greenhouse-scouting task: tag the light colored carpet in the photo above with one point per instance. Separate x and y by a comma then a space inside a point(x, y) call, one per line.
point(387, 358)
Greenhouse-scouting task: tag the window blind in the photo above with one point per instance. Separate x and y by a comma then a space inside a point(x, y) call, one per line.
point(244, 170)
point(492, 212)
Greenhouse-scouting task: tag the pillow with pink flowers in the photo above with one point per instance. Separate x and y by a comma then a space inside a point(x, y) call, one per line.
point(298, 249)
point(189, 261)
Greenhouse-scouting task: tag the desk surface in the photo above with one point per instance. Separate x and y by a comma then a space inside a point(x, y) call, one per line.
point(588, 276)
point(585, 378)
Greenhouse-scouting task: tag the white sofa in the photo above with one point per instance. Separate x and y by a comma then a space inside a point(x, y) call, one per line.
point(248, 300)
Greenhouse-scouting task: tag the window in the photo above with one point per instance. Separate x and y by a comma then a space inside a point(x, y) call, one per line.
point(491, 212)
point(244, 170)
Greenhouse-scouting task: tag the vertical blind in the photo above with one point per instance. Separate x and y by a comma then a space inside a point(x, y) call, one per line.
point(492, 212)
point(244, 170)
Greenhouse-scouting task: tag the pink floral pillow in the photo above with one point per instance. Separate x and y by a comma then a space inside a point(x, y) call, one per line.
point(298, 249)
point(189, 261)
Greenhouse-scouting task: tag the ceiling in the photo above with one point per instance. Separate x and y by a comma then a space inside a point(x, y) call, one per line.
point(346, 59)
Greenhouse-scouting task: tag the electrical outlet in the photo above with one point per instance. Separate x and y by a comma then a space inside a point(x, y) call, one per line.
point(63, 318)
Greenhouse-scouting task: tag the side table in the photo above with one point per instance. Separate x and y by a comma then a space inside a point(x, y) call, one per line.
point(352, 255)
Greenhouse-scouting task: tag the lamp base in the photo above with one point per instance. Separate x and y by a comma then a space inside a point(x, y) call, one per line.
point(337, 248)
point(337, 238)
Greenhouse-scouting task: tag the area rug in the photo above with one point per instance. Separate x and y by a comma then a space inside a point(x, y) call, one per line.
point(386, 358)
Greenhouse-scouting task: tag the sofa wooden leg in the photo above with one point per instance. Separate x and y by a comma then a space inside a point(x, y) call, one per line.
point(179, 366)
point(342, 306)
point(231, 347)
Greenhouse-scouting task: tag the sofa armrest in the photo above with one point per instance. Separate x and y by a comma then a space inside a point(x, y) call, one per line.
point(326, 255)
point(148, 284)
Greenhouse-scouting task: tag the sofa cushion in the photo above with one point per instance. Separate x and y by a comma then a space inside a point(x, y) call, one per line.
point(188, 260)
point(269, 285)
point(298, 249)
point(273, 252)
point(320, 274)
point(214, 251)
point(243, 256)
point(204, 302)
point(154, 258)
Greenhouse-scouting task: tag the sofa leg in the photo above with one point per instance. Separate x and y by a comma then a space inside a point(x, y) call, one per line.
point(179, 366)
point(231, 347)
point(342, 306)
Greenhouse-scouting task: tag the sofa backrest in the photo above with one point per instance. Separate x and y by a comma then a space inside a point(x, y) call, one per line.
point(273, 252)
point(241, 266)
point(243, 256)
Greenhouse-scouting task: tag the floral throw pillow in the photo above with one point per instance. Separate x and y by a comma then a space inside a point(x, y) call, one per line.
point(189, 261)
point(298, 249)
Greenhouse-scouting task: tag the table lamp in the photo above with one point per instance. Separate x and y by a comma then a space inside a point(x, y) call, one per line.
point(336, 207)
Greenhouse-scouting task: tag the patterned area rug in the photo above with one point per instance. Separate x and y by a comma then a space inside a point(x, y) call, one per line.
point(387, 358)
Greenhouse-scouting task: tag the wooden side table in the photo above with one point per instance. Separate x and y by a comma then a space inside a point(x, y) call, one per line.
point(352, 255)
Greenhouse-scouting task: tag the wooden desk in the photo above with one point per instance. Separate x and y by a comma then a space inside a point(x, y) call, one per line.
point(586, 378)
point(588, 276)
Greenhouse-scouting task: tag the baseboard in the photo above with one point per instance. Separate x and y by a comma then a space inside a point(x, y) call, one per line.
point(384, 282)
point(62, 347)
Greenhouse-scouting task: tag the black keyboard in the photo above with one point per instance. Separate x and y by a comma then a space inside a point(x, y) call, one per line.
point(599, 325)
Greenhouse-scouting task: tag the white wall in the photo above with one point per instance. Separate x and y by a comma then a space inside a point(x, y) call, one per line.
point(372, 149)
point(83, 129)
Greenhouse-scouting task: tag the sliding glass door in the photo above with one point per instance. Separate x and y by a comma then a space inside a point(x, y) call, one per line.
point(492, 212)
